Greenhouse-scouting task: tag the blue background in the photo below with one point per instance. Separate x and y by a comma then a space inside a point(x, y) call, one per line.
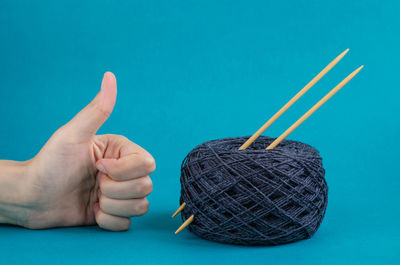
point(191, 71)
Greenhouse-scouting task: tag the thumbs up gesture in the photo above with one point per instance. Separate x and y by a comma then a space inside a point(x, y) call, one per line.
point(80, 178)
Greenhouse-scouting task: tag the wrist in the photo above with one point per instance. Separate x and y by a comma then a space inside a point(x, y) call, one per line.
point(13, 194)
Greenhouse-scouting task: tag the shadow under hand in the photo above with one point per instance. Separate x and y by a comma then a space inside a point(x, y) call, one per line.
point(159, 221)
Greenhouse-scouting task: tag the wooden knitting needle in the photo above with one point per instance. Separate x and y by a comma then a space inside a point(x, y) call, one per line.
point(185, 224)
point(313, 109)
point(293, 100)
point(179, 209)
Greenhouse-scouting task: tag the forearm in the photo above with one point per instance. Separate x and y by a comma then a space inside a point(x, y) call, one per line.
point(13, 177)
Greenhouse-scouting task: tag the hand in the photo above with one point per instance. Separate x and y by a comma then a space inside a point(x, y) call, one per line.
point(79, 178)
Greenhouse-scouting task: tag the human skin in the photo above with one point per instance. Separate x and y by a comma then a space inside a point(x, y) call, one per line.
point(78, 177)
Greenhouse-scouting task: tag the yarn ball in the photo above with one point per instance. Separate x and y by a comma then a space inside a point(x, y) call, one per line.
point(253, 196)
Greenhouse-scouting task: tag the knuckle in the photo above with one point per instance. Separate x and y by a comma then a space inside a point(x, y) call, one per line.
point(123, 138)
point(149, 163)
point(102, 111)
point(142, 207)
point(145, 186)
point(125, 224)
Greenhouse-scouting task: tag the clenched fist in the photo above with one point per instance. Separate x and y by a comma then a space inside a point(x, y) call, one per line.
point(79, 178)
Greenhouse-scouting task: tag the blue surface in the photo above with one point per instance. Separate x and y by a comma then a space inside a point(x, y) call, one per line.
point(191, 71)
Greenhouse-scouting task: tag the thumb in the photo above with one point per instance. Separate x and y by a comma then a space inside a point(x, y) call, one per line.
point(86, 123)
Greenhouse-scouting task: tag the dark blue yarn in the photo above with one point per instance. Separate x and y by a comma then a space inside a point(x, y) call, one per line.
point(253, 196)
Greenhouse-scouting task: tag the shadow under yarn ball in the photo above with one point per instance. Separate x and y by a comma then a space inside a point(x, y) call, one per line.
point(253, 196)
